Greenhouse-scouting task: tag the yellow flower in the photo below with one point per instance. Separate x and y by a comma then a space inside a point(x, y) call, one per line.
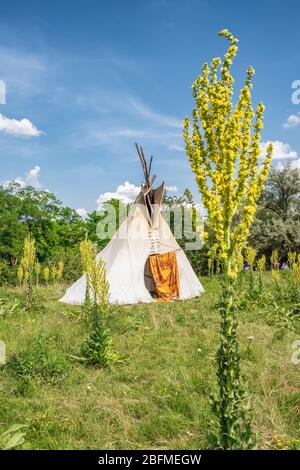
point(276, 275)
point(223, 147)
point(261, 263)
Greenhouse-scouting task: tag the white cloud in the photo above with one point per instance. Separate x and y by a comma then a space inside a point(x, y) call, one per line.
point(31, 179)
point(172, 189)
point(127, 133)
point(292, 121)
point(160, 119)
point(126, 193)
point(294, 164)
point(135, 121)
point(176, 147)
point(18, 180)
point(24, 127)
point(82, 212)
point(281, 150)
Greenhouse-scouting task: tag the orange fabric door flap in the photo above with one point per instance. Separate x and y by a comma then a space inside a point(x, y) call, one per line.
point(165, 274)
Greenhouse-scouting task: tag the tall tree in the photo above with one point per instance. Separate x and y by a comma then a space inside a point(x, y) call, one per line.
point(277, 222)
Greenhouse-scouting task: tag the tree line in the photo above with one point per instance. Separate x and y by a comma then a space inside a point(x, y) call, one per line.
point(58, 230)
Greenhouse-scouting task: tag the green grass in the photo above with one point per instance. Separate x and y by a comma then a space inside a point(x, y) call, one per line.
point(157, 397)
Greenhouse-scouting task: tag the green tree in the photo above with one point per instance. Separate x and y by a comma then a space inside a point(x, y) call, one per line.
point(277, 222)
point(113, 211)
point(57, 230)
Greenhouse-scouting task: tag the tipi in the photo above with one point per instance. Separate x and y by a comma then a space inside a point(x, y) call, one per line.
point(144, 262)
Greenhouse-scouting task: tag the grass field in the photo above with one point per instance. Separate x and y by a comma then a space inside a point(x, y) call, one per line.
point(157, 396)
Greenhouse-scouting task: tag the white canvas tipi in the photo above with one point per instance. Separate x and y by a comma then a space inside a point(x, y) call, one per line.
point(142, 234)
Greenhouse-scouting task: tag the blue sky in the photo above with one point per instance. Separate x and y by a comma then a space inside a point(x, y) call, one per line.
point(92, 77)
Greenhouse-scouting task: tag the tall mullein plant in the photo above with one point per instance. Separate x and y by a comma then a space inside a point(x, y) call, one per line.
point(97, 348)
point(86, 251)
point(223, 146)
point(28, 264)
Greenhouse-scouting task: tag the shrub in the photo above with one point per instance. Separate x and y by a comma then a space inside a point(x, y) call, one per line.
point(72, 269)
point(7, 274)
point(40, 360)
